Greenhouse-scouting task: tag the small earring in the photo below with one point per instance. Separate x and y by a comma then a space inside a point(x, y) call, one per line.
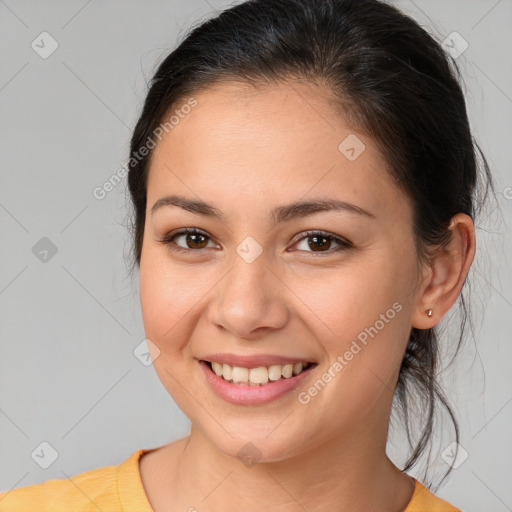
point(429, 313)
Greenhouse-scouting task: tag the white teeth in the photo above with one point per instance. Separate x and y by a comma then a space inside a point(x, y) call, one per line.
point(287, 370)
point(274, 372)
point(227, 371)
point(240, 375)
point(257, 376)
point(217, 368)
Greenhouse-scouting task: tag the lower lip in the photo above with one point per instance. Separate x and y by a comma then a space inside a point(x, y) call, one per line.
point(241, 394)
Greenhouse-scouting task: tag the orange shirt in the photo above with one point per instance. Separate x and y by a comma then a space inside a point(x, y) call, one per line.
point(119, 488)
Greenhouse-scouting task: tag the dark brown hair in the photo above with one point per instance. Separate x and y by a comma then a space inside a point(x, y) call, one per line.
point(394, 83)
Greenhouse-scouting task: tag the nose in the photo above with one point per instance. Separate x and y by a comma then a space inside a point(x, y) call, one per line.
point(250, 301)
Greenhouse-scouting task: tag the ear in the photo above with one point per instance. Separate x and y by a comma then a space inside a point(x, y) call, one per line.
point(446, 274)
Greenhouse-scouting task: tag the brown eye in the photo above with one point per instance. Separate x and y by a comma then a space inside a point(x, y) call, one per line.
point(320, 242)
point(193, 240)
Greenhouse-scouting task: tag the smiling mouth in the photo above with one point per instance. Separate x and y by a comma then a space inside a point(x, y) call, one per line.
point(259, 376)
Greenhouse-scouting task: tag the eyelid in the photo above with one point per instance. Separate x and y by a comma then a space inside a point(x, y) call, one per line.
point(319, 232)
point(168, 239)
point(343, 242)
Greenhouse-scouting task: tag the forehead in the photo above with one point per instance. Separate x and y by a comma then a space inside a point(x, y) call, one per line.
point(276, 142)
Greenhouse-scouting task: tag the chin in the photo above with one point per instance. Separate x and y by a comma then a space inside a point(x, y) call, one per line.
point(250, 447)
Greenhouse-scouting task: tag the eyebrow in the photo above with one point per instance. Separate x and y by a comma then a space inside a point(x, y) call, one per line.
point(279, 214)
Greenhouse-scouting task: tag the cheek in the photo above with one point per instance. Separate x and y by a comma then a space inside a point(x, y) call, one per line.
point(361, 315)
point(349, 299)
point(169, 297)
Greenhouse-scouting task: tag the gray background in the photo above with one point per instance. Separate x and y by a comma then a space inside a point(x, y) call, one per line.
point(69, 326)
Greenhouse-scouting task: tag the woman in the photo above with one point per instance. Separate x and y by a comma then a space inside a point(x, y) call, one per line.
point(303, 182)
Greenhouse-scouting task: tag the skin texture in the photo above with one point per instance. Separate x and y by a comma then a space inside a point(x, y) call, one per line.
point(246, 150)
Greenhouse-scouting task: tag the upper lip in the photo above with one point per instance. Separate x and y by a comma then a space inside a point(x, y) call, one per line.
point(254, 361)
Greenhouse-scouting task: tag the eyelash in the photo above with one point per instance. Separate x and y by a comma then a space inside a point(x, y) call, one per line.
point(168, 241)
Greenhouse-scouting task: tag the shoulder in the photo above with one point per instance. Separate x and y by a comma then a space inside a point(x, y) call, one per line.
point(92, 490)
point(424, 501)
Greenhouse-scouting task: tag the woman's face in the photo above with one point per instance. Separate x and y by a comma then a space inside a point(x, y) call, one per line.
point(255, 290)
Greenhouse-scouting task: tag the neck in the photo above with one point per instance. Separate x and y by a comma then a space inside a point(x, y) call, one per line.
point(351, 473)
